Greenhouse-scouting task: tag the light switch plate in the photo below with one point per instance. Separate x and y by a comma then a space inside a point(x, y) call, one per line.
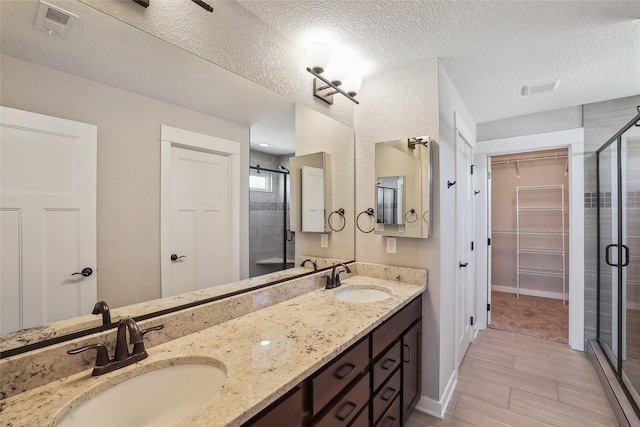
point(324, 241)
point(391, 245)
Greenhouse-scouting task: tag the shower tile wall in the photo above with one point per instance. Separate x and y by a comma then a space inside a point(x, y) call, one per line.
point(601, 121)
point(266, 226)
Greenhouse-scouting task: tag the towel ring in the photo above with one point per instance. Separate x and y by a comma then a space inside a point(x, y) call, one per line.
point(412, 213)
point(424, 217)
point(340, 212)
point(368, 212)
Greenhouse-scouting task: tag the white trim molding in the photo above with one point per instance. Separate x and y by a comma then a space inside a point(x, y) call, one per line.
point(439, 408)
point(573, 140)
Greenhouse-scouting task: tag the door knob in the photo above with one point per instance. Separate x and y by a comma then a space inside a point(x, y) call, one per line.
point(175, 257)
point(86, 272)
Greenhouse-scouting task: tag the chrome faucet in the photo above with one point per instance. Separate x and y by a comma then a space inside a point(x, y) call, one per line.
point(315, 264)
point(102, 307)
point(122, 357)
point(333, 281)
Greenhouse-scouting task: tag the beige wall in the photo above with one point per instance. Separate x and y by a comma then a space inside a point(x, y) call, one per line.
point(128, 190)
point(418, 100)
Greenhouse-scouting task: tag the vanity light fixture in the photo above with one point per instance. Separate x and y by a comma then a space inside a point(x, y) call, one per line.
point(419, 140)
point(333, 74)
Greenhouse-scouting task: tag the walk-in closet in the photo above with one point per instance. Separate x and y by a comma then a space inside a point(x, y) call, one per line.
point(530, 245)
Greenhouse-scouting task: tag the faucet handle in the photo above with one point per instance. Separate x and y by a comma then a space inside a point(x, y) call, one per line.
point(102, 358)
point(138, 348)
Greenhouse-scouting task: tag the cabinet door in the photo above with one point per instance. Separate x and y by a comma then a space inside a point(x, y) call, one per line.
point(288, 411)
point(411, 374)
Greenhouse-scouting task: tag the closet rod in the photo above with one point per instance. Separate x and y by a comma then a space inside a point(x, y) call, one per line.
point(530, 158)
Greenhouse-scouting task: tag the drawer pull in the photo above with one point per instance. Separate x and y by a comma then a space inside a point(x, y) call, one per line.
point(344, 370)
point(389, 422)
point(388, 394)
point(407, 348)
point(346, 410)
point(388, 364)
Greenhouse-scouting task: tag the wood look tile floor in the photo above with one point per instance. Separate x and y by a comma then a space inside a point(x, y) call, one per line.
point(513, 380)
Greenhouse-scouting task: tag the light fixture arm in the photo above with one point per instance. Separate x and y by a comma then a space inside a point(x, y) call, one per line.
point(327, 96)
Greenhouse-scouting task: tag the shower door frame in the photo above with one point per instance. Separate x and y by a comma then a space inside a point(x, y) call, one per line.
point(622, 257)
point(285, 201)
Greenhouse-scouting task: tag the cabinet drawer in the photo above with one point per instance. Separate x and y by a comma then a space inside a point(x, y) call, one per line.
point(393, 328)
point(338, 374)
point(348, 407)
point(391, 418)
point(362, 420)
point(383, 398)
point(386, 365)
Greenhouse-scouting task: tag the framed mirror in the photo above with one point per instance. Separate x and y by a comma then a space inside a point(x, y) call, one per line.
point(128, 85)
point(403, 188)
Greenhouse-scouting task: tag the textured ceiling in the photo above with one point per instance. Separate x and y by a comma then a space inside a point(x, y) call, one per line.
point(489, 49)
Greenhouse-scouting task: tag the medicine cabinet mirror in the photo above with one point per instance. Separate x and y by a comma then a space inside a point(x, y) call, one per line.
point(403, 188)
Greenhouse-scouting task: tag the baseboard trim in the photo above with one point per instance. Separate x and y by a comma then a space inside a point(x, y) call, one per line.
point(529, 292)
point(437, 408)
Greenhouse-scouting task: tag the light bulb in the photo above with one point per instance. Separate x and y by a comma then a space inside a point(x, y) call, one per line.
point(336, 70)
point(352, 82)
point(318, 56)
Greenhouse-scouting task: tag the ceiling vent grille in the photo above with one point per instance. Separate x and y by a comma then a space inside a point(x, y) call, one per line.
point(540, 88)
point(55, 20)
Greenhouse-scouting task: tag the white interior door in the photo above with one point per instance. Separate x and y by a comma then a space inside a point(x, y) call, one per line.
point(464, 236)
point(200, 203)
point(48, 219)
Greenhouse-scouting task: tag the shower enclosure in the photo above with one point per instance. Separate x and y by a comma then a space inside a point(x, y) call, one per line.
point(271, 242)
point(618, 268)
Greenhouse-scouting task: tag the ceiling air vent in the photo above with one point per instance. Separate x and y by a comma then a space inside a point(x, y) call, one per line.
point(540, 88)
point(55, 20)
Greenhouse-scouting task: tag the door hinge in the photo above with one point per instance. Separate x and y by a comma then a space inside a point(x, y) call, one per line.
point(471, 245)
point(472, 169)
point(488, 307)
point(488, 174)
point(471, 320)
point(489, 241)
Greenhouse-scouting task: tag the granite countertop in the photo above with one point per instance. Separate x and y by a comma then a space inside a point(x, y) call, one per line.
point(304, 333)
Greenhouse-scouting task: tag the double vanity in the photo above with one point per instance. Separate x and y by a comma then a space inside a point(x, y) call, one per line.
point(328, 357)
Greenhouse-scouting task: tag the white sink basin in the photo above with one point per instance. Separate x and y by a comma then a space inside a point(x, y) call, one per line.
point(361, 295)
point(158, 398)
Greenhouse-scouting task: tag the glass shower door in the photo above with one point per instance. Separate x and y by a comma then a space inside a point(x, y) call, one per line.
point(607, 238)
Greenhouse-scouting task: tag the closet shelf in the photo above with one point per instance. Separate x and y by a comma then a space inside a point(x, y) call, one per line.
point(540, 251)
point(542, 272)
point(524, 231)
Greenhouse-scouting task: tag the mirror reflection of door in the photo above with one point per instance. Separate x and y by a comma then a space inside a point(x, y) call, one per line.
point(48, 217)
point(198, 246)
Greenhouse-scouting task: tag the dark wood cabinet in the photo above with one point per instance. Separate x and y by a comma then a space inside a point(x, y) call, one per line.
point(287, 411)
point(376, 382)
point(411, 369)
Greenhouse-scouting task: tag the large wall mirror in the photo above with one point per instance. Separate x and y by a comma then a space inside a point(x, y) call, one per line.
point(403, 187)
point(128, 84)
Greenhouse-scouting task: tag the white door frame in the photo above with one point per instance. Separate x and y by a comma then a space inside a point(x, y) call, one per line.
point(573, 140)
point(189, 140)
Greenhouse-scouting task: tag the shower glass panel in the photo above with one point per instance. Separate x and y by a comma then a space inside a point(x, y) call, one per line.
point(271, 242)
point(607, 167)
point(618, 211)
point(631, 239)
